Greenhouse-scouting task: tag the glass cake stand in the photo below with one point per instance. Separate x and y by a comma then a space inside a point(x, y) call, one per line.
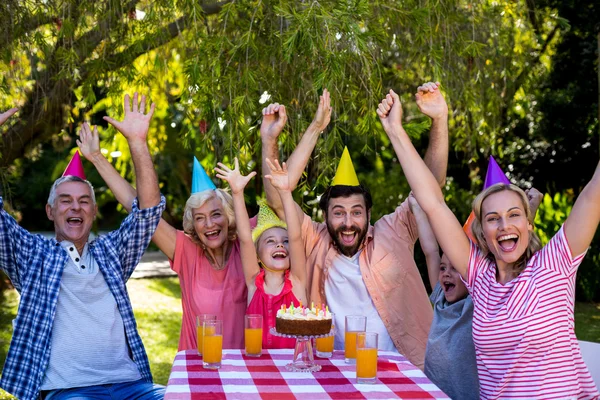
point(303, 353)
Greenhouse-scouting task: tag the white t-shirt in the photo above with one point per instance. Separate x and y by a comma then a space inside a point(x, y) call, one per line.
point(347, 295)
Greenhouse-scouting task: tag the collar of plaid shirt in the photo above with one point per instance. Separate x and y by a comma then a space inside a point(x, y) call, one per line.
point(34, 265)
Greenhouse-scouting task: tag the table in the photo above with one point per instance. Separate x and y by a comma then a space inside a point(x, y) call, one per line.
point(248, 378)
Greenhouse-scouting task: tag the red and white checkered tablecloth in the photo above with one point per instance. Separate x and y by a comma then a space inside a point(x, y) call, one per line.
point(248, 378)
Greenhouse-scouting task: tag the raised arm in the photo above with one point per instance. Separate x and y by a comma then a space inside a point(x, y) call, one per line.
point(535, 198)
point(281, 181)
point(299, 158)
point(89, 144)
point(135, 129)
point(427, 240)
point(425, 186)
point(237, 183)
point(431, 103)
point(7, 114)
point(582, 222)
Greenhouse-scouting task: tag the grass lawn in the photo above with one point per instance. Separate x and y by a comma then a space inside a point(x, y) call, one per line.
point(157, 307)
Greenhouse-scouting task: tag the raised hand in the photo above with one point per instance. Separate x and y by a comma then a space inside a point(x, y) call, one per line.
point(535, 199)
point(323, 114)
point(278, 176)
point(89, 142)
point(237, 181)
point(135, 124)
point(390, 112)
point(274, 119)
point(430, 100)
point(7, 114)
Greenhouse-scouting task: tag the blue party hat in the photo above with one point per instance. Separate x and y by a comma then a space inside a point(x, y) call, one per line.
point(200, 180)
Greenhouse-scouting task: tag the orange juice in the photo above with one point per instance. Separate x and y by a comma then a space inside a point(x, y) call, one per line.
point(253, 340)
point(366, 363)
point(350, 347)
point(200, 336)
point(325, 345)
point(212, 350)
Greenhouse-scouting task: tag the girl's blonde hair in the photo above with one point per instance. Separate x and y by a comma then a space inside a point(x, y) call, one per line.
point(197, 200)
point(534, 241)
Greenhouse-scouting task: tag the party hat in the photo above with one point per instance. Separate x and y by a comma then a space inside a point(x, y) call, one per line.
point(493, 176)
point(345, 174)
point(75, 168)
point(200, 180)
point(266, 219)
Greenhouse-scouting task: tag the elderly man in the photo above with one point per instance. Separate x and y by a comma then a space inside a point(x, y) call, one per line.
point(355, 267)
point(75, 334)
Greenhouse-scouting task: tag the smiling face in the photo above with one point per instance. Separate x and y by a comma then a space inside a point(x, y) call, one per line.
point(73, 212)
point(211, 223)
point(505, 226)
point(347, 222)
point(453, 287)
point(273, 249)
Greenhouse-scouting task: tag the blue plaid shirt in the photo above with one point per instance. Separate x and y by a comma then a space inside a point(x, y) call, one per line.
point(35, 264)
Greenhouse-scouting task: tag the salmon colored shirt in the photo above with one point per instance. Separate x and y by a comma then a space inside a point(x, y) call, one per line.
point(207, 291)
point(390, 274)
point(267, 305)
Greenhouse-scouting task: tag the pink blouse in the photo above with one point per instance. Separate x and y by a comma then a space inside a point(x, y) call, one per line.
point(267, 306)
point(207, 291)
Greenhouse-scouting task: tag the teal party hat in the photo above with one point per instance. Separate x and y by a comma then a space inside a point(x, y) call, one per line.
point(200, 180)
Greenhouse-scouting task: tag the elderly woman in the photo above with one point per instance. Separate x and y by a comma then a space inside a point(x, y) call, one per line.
point(205, 255)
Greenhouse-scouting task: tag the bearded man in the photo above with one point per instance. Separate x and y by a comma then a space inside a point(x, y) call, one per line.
point(354, 267)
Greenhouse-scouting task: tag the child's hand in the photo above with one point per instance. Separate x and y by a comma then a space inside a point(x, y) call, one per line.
point(279, 176)
point(237, 181)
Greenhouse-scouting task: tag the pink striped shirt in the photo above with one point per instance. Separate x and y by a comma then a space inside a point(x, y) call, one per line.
point(524, 330)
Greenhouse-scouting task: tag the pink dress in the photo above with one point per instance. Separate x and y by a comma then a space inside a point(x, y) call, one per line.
point(207, 291)
point(524, 330)
point(267, 306)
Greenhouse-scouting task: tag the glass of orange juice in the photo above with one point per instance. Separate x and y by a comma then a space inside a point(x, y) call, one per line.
point(212, 348)
point(325, 345)
point(199, 333)
point(253, 324)
point(366, 357)
point(354, 325)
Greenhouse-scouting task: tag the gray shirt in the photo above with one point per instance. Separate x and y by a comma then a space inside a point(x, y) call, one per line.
point(450, 360)
point(88, 345)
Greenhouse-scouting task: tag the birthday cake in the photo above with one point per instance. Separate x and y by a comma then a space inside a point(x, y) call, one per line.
point(303, 321)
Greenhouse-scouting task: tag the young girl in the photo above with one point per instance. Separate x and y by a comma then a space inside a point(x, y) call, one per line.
point(523, 294)
point(273, 258)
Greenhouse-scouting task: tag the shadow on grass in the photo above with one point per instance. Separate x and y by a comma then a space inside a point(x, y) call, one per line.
point(167, 286)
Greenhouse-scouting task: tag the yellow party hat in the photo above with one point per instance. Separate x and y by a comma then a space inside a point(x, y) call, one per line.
point(345, 174)
point(266, 219)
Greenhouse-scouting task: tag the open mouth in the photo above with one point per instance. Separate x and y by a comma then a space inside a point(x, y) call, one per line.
point(348, 237)
point(508, 242)
point(212, 235)
point(74, 221)
point(448, 286)
point(279, 255)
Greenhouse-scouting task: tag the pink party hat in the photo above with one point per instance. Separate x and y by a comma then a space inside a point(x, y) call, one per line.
point(494, 175)
point(75, 167)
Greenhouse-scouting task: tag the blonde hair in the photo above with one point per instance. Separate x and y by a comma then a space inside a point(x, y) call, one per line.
point(197, 200)
point(534, 241)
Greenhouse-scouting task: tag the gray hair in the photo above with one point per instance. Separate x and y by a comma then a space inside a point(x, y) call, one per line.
point(197, 200)
point(68, 178)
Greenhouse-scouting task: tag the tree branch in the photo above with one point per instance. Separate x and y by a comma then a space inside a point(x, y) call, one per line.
point(150, 42)
point(31, 23)
point(92, 38)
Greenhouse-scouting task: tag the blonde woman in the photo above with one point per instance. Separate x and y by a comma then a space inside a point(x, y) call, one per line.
point(523, 293)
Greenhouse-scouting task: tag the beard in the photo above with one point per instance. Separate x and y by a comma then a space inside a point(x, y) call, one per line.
point(346, 250)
